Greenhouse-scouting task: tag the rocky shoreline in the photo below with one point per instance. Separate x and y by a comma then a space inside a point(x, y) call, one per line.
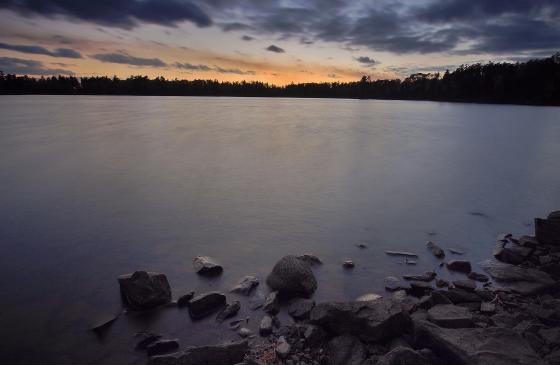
point(510, 314)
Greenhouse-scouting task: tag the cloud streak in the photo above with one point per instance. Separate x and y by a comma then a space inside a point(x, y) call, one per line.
point(206, 68)
point(126, 59)
point(275, 49)
point(32, 49)
point(29, 67)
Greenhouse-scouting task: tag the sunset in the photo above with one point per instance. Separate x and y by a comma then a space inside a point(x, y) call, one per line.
point(291, 182)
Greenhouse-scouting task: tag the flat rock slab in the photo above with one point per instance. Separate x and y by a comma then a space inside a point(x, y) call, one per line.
point(401, 253)
point(205, 265)
point(468, 285)
point(475, 346)
point(382, 319)
point(205, 304)
point(450, 316)
point(518, 279)
point(226, 354)
point(292, 277)
point(245, 285)
point(144, 290)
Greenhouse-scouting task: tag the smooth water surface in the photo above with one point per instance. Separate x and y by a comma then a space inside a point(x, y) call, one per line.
point(92, 187)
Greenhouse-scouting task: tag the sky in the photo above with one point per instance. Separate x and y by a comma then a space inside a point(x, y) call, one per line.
point(278, 42)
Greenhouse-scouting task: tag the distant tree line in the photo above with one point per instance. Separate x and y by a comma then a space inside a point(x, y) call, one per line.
point(535, 82)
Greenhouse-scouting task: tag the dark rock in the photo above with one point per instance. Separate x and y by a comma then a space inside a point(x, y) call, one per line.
point(419, 288)
point(292, 277)
point(148, 339)
point(283, 348)
point(427, 277)
point(228, 311)
point(456, 251)
point(361, 245)
point(403, 356)
point(467, 285)
point(528, 241)
point(265, 327)
point(450, 316)
point(504, 237)
point(162, 346)
point(393, 283)
point(205, 304)
point(104, 323)
point(459, 265)
point(435, 249)
point(505, 320)
point(552, 269)
point(349, 264)
point(185, 299)
point(554, 215)
point(346, 350)
point(144, 290)
point(426, 302)
point(313, 335)
point(226, 354)
point(514, 255)
point(244, 332)
point(458, 296)
point(481, 346)
point(547, 231)
point(478, 277)
point(551, 336)
point(439, 298)
point(382, 319)
point(205, 265)
point(271, 304)
point(441, 283)
point(245, 285)
point(310, 259)
point(257, 300)
point(300, 308)
point(520, 280)
point(487, 307)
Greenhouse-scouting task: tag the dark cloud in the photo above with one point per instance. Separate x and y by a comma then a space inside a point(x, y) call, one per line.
point(59, 52)
point(367, 61)
point(116, 13)
point(124, 58)
point(247, 38)
point(29, 67)
point(275, 49)
point(206, 68)
point(229, 27)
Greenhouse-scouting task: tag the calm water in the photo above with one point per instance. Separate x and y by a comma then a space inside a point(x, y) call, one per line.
point(94, 187)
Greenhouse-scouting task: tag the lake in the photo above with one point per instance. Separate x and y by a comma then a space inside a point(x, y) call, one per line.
point(92, 187)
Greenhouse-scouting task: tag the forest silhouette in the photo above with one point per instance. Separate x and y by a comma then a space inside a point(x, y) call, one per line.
point(535, 82)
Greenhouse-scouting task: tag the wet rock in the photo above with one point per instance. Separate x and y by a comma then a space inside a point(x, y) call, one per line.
point(419, 289)
point(460, 266)
point(245, 285)
point(514, 255)
point(528, 241)
point(265, 327)
point(257, 300)
point(427, 277)
point(487, 307)
point(393, 283)
point(368, 297)
point(244, 332)
point(103, 324)
point(205, 304)
point(547, 231)
point(450, 316)
point(483, 346)
point(349, 264)
point(185, 299)
point(147, 339)
point(504, 237)
point(144, 290)
point(312, 260)
point(205, 265)
point(438, 297)
point(456, 251)
point(435, 250)
point(271, 304)
point(518, 279)
point(478, 277)
point(346, 350)
point(300, 308)
point(283, 348)
point(441, 283)
point(228, 311)
point(426, 302)
point(313, 335)
point(226, 354)
point(458, 296)
point(382, 319)
point(468, 285)
point(292, 277)
point(401, 253)
point(403, 356)
point(162, 346)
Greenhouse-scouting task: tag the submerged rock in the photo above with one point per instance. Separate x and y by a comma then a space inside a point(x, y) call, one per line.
point(459, 265)
point(468, 285)
point(148, 339)
point(435, 249)
point(206, 266)
point(228, 311)
point(465, 346)
point(478, 277)
point(292, 277)
point(393, 283)
point(521, 280)
point(379, 320)
point(245, 285)
point(226, 354)
point(349, 264)
point(144, 290)
point(205, 304)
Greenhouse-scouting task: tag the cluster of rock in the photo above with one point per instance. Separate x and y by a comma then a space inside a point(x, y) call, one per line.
point(509, 316)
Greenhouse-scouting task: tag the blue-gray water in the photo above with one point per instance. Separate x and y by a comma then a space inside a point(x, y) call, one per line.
point(94, 187)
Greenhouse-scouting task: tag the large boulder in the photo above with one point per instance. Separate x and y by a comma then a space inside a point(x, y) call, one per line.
point(205, 265)
point(226, 354)
point(144, 290)
point(547, 231)
point(292, 277)
point(475, 346)
point(346, 350)
point(205, 304)
point(521, 280)
point(379, 320)
point(450, 316)
point(512, 254)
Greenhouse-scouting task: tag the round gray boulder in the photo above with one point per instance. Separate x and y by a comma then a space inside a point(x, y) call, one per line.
point(292, 277)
